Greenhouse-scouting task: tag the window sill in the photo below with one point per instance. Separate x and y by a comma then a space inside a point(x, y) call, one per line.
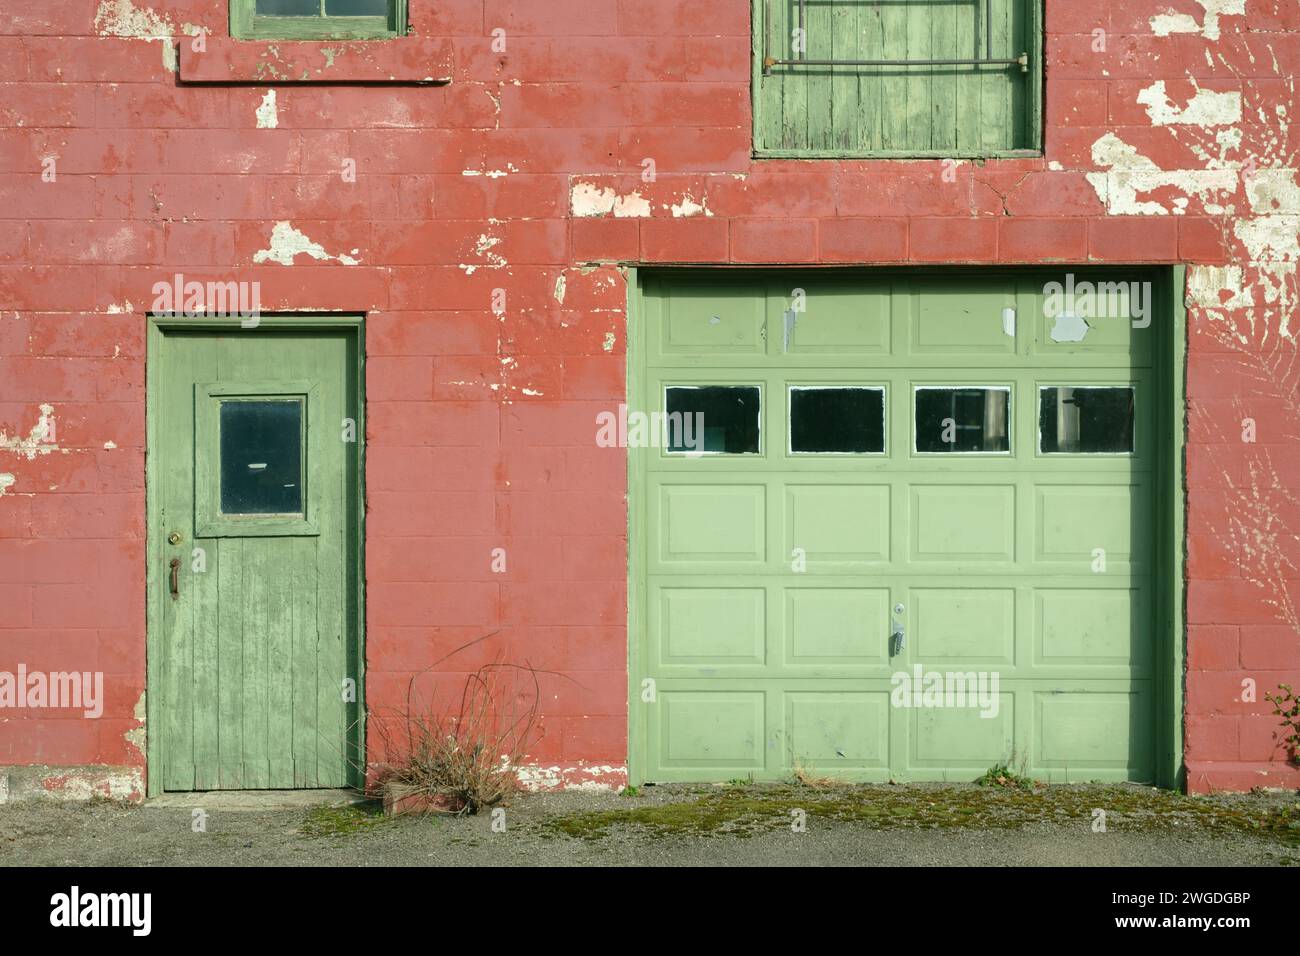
point(404, 60)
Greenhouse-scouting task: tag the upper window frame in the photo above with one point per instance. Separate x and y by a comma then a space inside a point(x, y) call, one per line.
point(245, 24)
point(209, 520)
point(1033, 119)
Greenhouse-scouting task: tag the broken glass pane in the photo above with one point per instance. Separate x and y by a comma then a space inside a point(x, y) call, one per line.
point(1085, 420)
point(837, 420)
point(261, 457)
point(963, 418)
point(712, 418)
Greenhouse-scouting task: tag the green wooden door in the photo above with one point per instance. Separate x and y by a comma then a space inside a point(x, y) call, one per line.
point(253, 505)
point(915, 541)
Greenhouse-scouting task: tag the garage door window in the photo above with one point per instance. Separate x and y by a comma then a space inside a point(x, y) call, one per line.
point(1087, 420)
point(728, 416)
point(963, 419)
point(841, 420)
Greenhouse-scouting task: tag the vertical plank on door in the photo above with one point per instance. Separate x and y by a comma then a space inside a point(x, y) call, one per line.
point(306, 732)
point(843, 132)
point(205, 601)
point(995, 85)
point(943, 105)
point(893, 86)
point(187, 362)
point(256, 581)
point(281, 556)
point(920, 79)
point(871, 46)
point(230, 585)
point(329, 473)
point(820, 43)
point(966, 95)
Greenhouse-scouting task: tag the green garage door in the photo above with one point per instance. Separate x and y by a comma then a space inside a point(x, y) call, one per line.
point(902, 527)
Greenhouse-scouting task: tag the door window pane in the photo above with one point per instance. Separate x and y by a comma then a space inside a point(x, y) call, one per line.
point(712, 418)
point(288, 8)
point(1095, 420)
point(261, 457)
point(847, 420)
point(962, 418)
point(356, 8)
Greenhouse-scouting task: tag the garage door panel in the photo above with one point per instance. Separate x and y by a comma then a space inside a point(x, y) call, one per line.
point(1087, 730)
point(1082, 629)
point(827, 626)
point(1098, 320)
point(693, 626)
point(836, 319)
point(718, 523)
point(965, 626)
point(838, 731)
point(962, 739)
point(712, 322)
point(953, 522)
point(963, 317)
point(838, 524)
point(1087, 525)
point(713, 729)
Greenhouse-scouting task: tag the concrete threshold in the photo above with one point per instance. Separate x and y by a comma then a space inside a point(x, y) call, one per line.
point(256, 799)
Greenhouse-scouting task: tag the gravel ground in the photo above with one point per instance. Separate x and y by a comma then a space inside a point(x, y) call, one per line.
point(926, 825)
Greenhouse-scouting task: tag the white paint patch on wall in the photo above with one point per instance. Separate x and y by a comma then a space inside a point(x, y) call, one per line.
point(39, 441)
point(135, 737)
point(588, 199)
point(122, 18)
point(1205, 108)
point(268, 114)
point(6, 482)
point(287, 242)
point(595, 777)
point(1130, 175)
point(1219, 287)
point(689, 207)
point(1163, 24)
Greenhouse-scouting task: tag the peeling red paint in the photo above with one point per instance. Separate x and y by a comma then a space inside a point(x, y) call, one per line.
point(527, 165)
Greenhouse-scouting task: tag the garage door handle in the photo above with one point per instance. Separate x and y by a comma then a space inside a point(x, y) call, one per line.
point(176, 577)
point(899, 637)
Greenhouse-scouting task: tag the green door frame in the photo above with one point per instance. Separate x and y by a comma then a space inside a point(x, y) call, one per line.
point(1168, 284)
point(157, 328)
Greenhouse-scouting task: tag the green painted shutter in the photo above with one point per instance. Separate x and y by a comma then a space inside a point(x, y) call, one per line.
point(846, 109)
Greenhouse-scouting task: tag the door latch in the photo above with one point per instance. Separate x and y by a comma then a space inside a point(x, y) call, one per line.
point(898, 633)
point(176, 577)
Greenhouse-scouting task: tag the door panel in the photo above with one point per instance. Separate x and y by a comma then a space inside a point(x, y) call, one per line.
point(772, 578)
point(258, 639)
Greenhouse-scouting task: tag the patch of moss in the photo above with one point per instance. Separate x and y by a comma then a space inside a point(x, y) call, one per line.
point(758, 809)
point(335, 821)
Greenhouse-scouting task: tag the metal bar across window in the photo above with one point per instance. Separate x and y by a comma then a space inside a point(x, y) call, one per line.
point(802, 59)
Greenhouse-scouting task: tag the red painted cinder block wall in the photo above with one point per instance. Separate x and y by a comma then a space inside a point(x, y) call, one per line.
point(1169, 138)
